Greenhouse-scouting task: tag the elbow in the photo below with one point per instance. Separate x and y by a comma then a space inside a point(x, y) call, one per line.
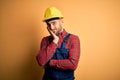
point(73, 65)
point(40, 62)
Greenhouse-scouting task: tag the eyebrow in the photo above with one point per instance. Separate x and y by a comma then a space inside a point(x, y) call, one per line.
point(51, 22)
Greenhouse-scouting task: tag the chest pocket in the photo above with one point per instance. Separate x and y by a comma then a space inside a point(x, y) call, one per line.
point(62, 52)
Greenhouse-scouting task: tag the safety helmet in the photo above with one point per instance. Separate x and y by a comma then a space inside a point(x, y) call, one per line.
point(52, 12)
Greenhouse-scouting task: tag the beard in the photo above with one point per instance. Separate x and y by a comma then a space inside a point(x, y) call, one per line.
point(59, 30)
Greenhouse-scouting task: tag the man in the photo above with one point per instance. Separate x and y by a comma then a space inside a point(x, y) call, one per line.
point(59, 53)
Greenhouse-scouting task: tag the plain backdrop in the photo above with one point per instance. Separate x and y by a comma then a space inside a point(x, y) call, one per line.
point(96, 22)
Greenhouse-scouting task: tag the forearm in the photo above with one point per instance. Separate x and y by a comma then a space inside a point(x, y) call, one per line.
point(66, 64)
point(46, 54)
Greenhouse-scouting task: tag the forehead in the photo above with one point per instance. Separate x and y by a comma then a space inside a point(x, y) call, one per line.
point(53, 21)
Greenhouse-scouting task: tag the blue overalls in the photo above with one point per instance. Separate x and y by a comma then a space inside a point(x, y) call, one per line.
point(59, 74)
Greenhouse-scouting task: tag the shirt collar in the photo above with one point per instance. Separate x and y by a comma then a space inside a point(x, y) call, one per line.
point(63, 33)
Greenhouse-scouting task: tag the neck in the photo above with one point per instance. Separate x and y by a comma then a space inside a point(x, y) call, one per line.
point(61, 30)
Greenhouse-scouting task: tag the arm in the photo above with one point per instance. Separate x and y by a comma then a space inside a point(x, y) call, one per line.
point(74, 54)
point(46, 52)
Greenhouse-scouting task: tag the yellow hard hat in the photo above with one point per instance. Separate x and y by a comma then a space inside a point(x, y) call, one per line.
point(52, 12)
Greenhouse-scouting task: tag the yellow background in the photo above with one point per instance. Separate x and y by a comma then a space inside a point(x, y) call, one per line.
point(96, 22)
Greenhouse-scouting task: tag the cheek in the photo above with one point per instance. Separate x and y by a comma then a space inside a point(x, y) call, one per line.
point(57, 26)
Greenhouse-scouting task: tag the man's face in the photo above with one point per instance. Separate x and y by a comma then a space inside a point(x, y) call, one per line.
point(55, 26)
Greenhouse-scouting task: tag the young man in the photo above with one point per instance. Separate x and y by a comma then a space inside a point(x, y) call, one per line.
point(59, 53)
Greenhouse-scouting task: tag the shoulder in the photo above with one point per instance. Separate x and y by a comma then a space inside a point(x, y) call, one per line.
point(73, 36)
point(74, 39)
point(45, 39)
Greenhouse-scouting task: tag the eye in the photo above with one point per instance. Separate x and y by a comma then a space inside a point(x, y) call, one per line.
point(53, 23)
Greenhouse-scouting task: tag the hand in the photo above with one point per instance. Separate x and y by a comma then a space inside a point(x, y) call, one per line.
point(55, 37)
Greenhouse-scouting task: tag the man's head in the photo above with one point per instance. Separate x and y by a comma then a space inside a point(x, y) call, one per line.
point(53, 19)
point(55, 25)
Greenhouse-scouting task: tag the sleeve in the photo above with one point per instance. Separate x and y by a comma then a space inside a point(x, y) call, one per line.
point(74, 55)
point(46, 52)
